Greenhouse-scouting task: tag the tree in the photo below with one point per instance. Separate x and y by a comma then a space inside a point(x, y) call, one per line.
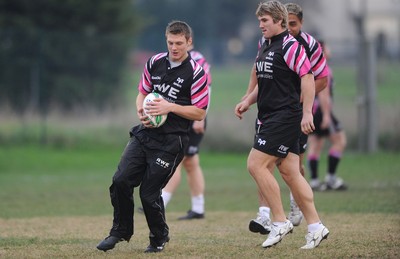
point(70, 52)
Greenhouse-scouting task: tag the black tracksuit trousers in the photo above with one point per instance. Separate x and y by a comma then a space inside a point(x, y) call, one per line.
point(148, 161)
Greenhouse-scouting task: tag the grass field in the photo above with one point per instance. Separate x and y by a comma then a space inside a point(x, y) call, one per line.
point(55, 204)
point(55, 201)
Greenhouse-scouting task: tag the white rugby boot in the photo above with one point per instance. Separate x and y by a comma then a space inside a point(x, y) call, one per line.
point(261, 224)
point(314, 239)
point(295, 216)
point(277, 233)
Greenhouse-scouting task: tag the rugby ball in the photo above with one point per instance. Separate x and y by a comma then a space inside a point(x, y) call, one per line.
point(157, 120)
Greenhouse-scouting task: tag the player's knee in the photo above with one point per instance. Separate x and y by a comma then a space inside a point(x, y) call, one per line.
point(302, 169)
point(119, 178)
point(252, 168)
point(189, 163)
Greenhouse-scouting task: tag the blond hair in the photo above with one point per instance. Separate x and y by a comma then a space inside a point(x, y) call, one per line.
point(275, 9)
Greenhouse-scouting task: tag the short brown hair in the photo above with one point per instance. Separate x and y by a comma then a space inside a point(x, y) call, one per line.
point(179, 27)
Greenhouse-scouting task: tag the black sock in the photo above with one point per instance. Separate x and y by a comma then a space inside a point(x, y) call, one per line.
point(313, 164)
point(333, 162)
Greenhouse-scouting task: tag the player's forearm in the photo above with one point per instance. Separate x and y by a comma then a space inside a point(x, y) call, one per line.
point(252, 97)
point(325, 101)
point(252, 82)
point(308, 92)
point(139, 101)
point(189, 112)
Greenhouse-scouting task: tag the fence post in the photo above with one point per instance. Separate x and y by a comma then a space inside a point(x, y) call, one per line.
point(370, 94)
point(366, 98)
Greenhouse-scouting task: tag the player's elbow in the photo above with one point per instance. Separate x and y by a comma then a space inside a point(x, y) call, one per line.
point(201, 115)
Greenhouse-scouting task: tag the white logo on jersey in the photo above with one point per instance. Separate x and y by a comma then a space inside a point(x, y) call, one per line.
point(167, 90)
point(180, 80)
point(264, 66)
point(270, 56)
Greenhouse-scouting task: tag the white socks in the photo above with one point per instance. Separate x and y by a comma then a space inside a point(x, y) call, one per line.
point(264, 211)
point(198, 204)
point(314, 227)
point(166, 196)
point(197, 201)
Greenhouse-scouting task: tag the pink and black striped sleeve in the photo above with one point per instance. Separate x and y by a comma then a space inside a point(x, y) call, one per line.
point(207, 69)
point(199, 58)
point(296, 57)
point(199, 89)
point(145, 86)
point(317, 58)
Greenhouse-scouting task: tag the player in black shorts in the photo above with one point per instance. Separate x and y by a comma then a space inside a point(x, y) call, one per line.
point(283, 73)
point(261, 224)
point(326, 126)
point(152, 154)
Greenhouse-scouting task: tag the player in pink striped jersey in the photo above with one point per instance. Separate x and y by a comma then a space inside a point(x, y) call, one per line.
point(320, 72)
point(191, 161)
point(152, 154)
point(283, 74)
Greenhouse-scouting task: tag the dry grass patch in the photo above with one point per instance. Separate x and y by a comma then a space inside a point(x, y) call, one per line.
point(220, 235)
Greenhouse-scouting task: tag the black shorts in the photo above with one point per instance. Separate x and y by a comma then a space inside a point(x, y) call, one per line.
point(333, 128)
point(303, 142)
point(194, 141)
point(278, 139)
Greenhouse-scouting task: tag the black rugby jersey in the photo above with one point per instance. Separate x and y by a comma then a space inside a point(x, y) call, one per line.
point(185, 84)
point(280, 64)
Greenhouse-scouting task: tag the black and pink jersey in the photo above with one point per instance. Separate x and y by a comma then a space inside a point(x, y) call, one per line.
point(280, 64)
point(314, 53)
point(185, 84)
point(199, 58)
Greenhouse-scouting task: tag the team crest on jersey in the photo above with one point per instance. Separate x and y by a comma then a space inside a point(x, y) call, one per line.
point(179, 82)
point(270, 55)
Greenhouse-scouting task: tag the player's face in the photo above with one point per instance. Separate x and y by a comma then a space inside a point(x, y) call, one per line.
point(178, 47)
point(268, 27)
point(294, 25)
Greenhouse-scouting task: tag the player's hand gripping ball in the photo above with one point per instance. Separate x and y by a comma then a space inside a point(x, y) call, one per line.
point(157, 120)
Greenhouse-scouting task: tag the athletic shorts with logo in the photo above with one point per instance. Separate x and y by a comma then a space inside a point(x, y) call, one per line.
point(333, 128)
point(195, 139)
point(303, 142)
point(277, 139)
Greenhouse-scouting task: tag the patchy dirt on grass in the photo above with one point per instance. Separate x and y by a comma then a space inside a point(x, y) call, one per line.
point(219, 235)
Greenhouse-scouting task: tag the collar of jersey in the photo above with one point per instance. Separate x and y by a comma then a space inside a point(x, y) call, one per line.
point(280, 36)
point(184, 61)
